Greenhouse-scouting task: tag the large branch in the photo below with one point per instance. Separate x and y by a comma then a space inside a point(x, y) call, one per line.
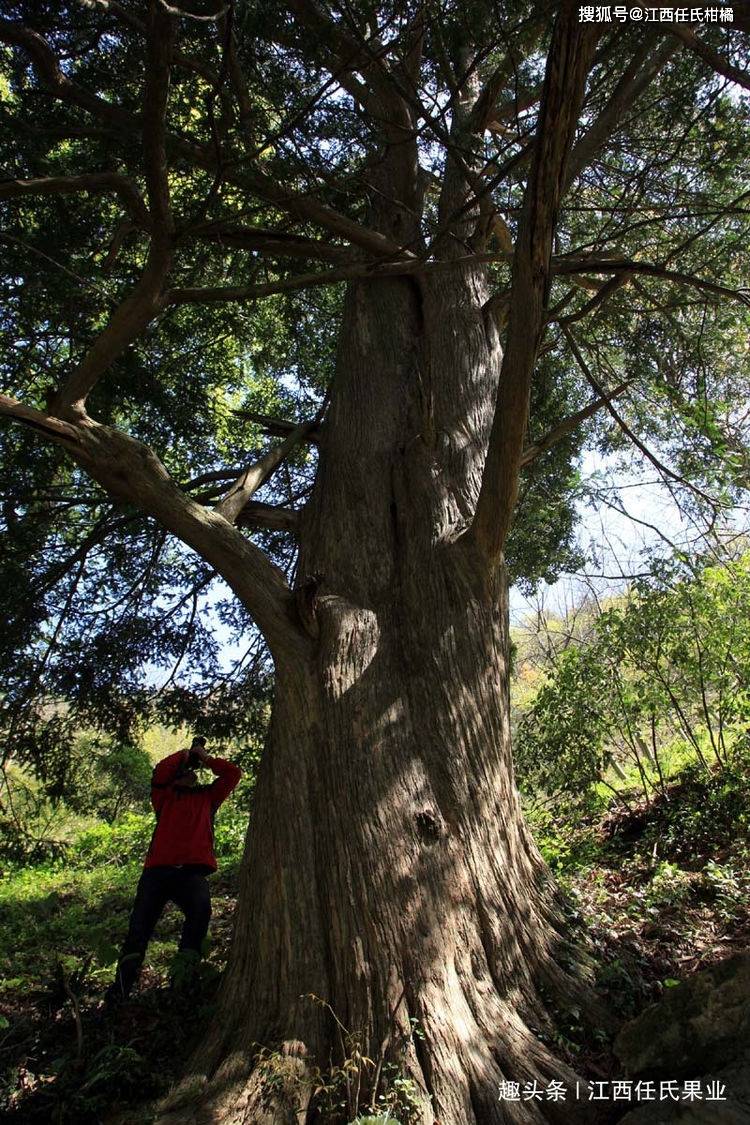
point(127, 322)
point(130, 472)
point(255, 475)
point(95, 182)
point(269, 517)
point(570, 54)
point(557, 433)
point(716, 61)
point(161, 35)
point(140, 307)
point(639, 74)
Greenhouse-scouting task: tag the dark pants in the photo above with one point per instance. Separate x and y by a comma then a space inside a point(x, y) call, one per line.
point(157, 886)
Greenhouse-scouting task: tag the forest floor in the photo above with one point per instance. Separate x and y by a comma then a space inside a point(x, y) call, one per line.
point(661, 896)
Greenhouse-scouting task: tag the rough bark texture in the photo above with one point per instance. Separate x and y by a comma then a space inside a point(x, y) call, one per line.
point(389, 871)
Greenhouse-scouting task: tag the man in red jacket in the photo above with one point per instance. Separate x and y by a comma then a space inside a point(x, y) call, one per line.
point(179, 858)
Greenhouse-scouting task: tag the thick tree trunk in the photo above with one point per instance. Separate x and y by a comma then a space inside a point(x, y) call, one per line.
point(389, 872)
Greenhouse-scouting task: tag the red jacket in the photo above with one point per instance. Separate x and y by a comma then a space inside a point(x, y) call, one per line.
point(184, 830)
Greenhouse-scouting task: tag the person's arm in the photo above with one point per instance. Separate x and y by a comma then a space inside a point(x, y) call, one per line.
point(164, 775)
point(227, 776)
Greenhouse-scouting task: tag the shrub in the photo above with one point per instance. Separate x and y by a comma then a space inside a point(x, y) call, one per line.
point(669, 886)
point(114, 844)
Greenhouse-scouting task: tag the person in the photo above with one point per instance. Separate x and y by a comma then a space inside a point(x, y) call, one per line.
point(179, 857)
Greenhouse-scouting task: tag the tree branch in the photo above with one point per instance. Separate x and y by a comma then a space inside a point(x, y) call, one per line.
point(531, 452)
point(364, 270)
point(716, 61)
point(161, 35)
point(130, 471)
point(641, 71)
point(628, 265)
point(570, 54)
point(279, 427)
point(51, 75)
point(255, 475)
point(288, 284)
point(53, 428)
point(268, 516)
point(133, 315)
point(91, 181)
point(300, 206)
point(274, 243)
point(596, 386)
point(602, 293)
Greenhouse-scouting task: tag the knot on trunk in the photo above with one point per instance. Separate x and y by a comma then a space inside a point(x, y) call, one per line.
point(429, 826)
point(305, 598)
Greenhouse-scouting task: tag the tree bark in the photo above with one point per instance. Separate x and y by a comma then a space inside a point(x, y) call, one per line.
point(388, 871)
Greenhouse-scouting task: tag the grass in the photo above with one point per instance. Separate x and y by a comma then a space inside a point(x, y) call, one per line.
point(63, 922)
point(662, 888)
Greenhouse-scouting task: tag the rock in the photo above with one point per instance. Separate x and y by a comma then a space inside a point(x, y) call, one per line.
point(734, 1111)
point(699, 1027)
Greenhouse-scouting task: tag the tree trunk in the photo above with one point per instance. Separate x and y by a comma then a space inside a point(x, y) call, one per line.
point(388, 870)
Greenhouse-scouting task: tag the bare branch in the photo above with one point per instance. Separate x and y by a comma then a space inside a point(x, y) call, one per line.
point(255, 475)
point(570, 54)
point(269, 517)
point(279, 427)
point(173, 10)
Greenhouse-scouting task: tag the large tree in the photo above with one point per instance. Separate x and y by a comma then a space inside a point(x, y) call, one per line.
point(489, 207)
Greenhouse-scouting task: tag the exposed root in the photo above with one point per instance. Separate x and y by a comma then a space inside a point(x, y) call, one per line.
point(272, 1088)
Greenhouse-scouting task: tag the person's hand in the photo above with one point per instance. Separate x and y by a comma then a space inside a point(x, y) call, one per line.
point(200, 752)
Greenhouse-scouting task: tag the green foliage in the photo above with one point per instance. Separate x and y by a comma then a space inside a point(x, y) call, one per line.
point(112, 615)
point(118, 845)
point(104, 778)
point(669, 886)
point(662, 670)
point(729, 887)
point(95, 805)
point(701, 809)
